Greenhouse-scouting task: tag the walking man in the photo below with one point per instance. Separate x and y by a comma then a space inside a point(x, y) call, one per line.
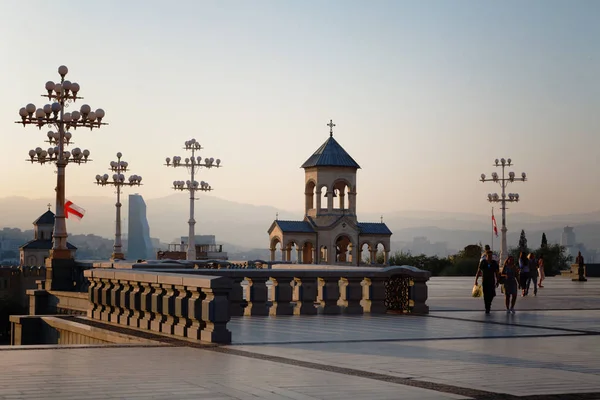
point(490, 273)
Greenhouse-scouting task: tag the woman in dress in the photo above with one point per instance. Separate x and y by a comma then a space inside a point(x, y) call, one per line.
point(541, 271)
point(510, 273)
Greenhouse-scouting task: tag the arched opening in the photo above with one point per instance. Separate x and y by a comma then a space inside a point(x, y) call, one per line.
point(276, 250)
point(323, 201)
point(309, 192)
point(365, 253)
point(380, 254)
point(341, 188)
point(343, 249)
point(323, 255)
point(291, 252)
point(307, 253)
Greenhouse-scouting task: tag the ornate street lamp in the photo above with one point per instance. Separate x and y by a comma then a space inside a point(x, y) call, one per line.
point(60, 95)
point(192, 164)
point(503, 198)
point(118, 181)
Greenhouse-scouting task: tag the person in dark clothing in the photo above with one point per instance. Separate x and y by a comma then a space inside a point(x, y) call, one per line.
point(490, 273)
point(580, 266)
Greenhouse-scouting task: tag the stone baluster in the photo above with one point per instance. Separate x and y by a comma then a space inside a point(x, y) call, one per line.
point(353, 295)
point(146, 305)
point(94, 296)
point(307, 293)
point(168, 309)
point(281, 297)
point(256, 294)
point(105, 310)
point(125, 308)
point(195, 312)
point(374, 295)
point(330, 295)
point(215, 315)
point(157, 306)
point(236, 298)
point(418, 295)
point(181, 311)
point(135, 303)
point(115, 297)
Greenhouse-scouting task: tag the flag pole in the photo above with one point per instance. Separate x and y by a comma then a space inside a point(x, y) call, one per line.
point(492, 229)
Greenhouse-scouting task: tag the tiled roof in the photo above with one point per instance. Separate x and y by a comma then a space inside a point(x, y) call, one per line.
point(43, 245)
point(374, 228)
point(46, 218)
point(330, 154)
point(295, 226)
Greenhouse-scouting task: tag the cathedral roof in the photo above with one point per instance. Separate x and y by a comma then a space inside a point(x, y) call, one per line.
point(42, 245)
point(295, 226)
point(330, 154)
point(46, 218)
point(374, 228)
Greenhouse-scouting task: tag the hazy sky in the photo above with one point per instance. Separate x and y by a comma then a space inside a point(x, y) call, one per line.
point(425, 95)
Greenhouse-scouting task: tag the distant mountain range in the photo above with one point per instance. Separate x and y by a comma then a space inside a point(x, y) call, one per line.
point(245, 226)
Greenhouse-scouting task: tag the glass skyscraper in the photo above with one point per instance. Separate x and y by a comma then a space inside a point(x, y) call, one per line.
point(139, 245)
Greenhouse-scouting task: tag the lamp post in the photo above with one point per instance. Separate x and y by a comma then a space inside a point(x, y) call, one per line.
point(118, 181)
point(192, 164)
point(60, 95)
point(503, 198)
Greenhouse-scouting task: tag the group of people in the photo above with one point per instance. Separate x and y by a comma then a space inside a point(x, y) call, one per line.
point(513, 276)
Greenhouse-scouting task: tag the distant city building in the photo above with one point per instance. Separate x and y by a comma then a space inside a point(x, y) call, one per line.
point(330, 232)
point(568, 237)
point(35, 252)
point(139, 244)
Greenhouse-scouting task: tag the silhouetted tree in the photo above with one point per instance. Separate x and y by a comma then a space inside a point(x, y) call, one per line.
point(523, 241)
point(544, 241)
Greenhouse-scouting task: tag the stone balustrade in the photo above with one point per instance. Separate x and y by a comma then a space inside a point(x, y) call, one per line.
point(186, 305)
point(327, 291)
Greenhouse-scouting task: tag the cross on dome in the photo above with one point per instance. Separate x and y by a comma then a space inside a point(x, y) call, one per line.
point(330, 125)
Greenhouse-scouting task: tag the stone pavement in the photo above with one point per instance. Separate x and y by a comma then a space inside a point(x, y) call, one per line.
point(549, 349)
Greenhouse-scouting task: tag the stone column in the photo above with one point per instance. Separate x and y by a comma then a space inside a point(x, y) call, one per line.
point(125, 308)
point(307, 293)
point(318, 194)
point(135, 304)
point(354, 293)
point(105, 304)
point(272, 254)
point(330, 295)
point(283, 253)
point(373, 256)
point(168, 309)
point(342, 201)
point(288, 253)
point(374, 295)
point(299, 254)
point(352, 202)
point(329, 201)
point(281, 297)
point(386, 257)
point(256, 294)
point(315, 259)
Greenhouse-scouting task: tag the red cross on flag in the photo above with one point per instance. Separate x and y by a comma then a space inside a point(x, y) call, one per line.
point(74, 210)
point(494, 224)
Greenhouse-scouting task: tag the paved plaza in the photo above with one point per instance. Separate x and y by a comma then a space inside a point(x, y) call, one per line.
point(549, 350)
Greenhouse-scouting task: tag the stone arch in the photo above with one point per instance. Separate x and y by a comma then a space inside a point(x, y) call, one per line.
point(309, 193)
point(364, 253)
point(343, 248)
point(308, 252)
point(291, 251)
point(381, 247)
point(276, 240)
point(322, 196)
point(344, 194)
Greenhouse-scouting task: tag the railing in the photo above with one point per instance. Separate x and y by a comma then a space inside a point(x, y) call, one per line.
point(198, 303)
point(178, 304)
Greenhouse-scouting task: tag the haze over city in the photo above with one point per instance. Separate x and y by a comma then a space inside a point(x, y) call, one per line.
point(424, 95)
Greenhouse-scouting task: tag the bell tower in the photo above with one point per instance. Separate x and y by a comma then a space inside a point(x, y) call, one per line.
point(330, 181)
